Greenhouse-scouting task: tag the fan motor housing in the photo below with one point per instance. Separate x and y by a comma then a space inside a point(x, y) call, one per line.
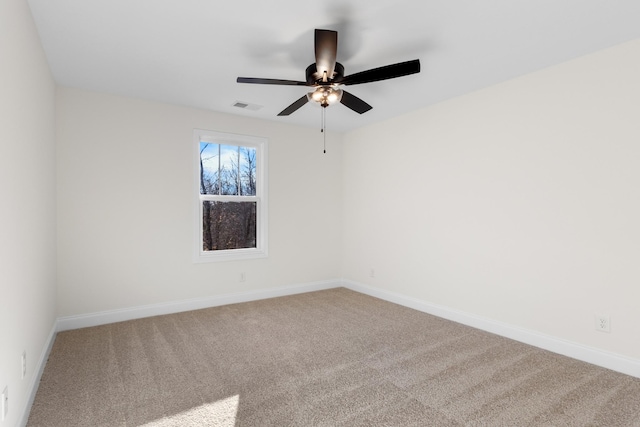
point(313, 78)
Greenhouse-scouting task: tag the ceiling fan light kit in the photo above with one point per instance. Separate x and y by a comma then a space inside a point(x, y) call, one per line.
point(327, 77)
point(325, 95)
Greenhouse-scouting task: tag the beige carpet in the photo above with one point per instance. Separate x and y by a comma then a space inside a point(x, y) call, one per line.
point(328, 358)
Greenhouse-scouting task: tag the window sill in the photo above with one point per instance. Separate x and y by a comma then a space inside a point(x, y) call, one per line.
point(229, 255)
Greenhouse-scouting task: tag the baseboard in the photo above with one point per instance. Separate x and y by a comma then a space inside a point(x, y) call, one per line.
point(120, 315)
point(615, 362)
point(37, 375)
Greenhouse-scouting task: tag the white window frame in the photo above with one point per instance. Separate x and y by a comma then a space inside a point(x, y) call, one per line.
point(260, 144)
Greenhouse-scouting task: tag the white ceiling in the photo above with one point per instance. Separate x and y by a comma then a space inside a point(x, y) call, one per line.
point(189, 52)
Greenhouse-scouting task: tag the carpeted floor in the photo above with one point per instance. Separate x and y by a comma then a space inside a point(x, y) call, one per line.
point(328, 358)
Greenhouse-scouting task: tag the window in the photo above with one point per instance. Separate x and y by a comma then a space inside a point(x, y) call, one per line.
point(231, 193)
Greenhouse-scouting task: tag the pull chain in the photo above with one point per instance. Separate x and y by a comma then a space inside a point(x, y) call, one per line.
point(323, 129)
point(324, 134)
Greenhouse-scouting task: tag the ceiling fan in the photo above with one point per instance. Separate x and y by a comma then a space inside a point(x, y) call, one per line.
point(327, 77)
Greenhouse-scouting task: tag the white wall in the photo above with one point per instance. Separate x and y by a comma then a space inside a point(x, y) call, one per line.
point(28, 205)
point(125, 205)
point(519, 203)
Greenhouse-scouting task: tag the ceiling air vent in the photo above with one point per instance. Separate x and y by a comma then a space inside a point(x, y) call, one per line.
point(246, 106)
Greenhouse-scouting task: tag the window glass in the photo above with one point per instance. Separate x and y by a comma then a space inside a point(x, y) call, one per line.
point(231, 196)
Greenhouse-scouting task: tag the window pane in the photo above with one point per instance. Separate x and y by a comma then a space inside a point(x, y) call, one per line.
point(227, 169)
point(228, 225)
point(229, 155)
point(248, 171)
point(209, 156)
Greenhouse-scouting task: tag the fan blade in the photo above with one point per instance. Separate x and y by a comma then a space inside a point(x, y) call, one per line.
point(355, 103)
point(382, 73)
point(293, 107)
point(326, 44)
point(270, 81)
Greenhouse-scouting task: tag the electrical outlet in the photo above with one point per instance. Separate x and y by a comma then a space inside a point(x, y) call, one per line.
point(372, 273)
point(603, 323)
point(24, 364)
point(243, 277)
point(4, 401)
